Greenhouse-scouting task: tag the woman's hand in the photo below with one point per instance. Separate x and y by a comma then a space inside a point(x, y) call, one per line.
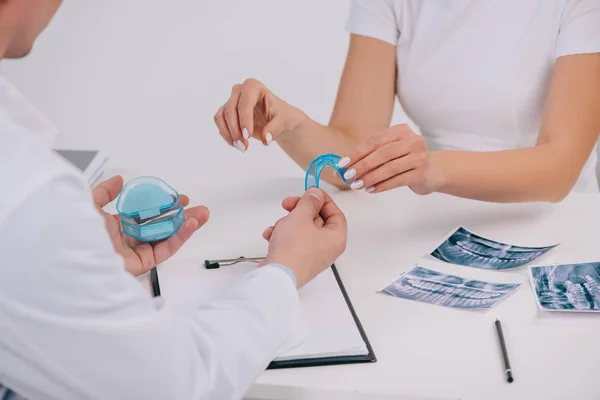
point(141, 257)
point(392, 158)
point(254, 111)
point(310, 238)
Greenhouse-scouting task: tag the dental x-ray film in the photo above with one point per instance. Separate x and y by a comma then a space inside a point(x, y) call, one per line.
point(569, 287)
point(433, 287)
point(466, 248)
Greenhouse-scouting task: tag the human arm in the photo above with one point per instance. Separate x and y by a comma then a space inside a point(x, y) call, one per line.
point(74, 324)
point(546, 171)
point(363, 106)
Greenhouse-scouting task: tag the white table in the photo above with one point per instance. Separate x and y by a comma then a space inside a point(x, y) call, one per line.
point(423, 350)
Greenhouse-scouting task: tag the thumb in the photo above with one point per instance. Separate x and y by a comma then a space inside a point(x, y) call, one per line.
point(272, 130)
point(310, 203)
point(107, 191)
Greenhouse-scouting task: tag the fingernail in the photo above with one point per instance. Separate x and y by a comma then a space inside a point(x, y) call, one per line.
point(357, 184)
point(314, 192)
point(240, 146)
point(245, 134)
point(268, 138)
point(370, 189)
point(350, 173)
point(344, 162)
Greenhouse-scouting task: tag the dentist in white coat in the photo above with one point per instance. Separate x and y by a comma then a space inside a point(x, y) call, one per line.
point(74, 322)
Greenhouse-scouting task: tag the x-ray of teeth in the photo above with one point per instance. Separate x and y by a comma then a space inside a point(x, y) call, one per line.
point(466, 248)
point(428, 286)
point(569, 287)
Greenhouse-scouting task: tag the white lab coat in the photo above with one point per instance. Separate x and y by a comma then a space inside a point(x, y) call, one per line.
point(75, 325)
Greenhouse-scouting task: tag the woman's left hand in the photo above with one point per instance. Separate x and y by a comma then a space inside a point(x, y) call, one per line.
point(392, 158)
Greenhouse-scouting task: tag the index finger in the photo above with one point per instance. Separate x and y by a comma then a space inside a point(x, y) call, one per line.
point(252, 93)
point(107, 191)
point(289, 203)
point(373, 143)
point(332, 214)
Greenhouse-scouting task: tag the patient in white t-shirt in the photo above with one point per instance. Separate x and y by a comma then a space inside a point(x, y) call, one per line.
point(506, 96)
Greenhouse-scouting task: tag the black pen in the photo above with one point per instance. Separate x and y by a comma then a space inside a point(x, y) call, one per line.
point(507, 370)
point(154, 281)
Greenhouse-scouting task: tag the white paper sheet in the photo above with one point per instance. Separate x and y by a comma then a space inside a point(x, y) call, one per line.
point(332, 330)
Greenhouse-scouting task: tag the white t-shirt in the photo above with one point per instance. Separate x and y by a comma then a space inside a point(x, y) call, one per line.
point(473, 75)
point(75, 325)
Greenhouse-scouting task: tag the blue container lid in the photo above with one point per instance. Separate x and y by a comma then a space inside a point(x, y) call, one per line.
point(146, 197)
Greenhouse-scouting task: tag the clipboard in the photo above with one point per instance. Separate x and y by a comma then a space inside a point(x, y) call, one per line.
point(336, 335)
point(335, 360)
point(89, 162)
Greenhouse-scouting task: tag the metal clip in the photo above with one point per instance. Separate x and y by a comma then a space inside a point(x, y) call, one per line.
point(214, 264)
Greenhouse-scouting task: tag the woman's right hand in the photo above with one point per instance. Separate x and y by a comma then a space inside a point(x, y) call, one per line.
point(254, 111)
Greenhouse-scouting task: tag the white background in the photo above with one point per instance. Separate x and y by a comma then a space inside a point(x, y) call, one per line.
point(131, 76)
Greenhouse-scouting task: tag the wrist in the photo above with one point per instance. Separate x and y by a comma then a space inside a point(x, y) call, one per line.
point(286, 263)
point(296, 122)
point(288, 272)
point(437, 177)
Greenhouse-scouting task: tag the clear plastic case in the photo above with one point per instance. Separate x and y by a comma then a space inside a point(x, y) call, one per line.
point(149, 209)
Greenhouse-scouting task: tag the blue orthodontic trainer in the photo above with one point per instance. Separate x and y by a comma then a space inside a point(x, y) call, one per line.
point(313, 172)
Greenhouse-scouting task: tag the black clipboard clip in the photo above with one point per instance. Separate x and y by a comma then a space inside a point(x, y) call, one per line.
point(214, 264)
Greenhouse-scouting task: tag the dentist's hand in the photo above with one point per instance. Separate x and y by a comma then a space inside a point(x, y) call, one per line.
point(254, 111)
point(310, 238)
point(141, 257)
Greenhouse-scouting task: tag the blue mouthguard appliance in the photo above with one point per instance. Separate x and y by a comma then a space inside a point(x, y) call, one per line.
point(149, 209)
point(313, 172)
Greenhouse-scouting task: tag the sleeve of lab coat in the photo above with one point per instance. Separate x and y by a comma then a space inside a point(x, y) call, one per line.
point(74, 324)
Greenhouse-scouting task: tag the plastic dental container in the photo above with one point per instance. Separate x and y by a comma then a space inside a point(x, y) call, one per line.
point(149, 209)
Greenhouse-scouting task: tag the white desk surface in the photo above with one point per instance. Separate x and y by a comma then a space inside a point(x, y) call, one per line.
point(423, 350)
